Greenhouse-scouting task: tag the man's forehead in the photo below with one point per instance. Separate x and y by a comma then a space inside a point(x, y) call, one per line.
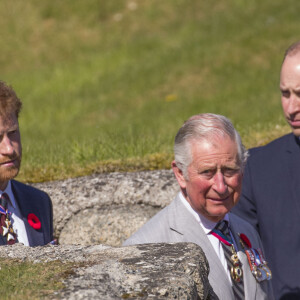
point(209, 150)
point(214, 141)
point(8, 121)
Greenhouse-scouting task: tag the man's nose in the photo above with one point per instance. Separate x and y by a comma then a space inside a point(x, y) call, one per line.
point(294, 105)
point(220, 185)
point(6, 147)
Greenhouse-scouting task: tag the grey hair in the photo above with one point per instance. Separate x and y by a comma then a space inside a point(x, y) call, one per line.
point(206, 127)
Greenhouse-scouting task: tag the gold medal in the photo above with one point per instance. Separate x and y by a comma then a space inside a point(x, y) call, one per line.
point(236, 270)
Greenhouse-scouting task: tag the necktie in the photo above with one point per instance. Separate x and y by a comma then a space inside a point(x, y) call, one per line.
point(221, 231)
point(6, 229)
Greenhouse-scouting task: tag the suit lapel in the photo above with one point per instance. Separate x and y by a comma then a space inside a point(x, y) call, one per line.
point(34, 237)
point(185, 224)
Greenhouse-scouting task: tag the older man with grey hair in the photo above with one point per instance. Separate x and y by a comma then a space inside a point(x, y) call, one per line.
point(208, 166)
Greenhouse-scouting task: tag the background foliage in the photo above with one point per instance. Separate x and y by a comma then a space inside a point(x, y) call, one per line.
point(107, 84)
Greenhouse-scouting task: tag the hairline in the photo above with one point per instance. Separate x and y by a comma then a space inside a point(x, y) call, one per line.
point(223, 128)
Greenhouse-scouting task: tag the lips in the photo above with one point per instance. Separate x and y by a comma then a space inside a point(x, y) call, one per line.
point(294, 123)
point(219, 200)
point(8, 162)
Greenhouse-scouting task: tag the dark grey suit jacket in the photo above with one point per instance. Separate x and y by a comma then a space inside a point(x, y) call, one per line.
point(32, 200)
point(270, 201)
point(176, 224)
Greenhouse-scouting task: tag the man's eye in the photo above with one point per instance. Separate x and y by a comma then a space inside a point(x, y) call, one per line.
point(207, 173)
point(12, 133)
point(230, 172)
point(285, 94)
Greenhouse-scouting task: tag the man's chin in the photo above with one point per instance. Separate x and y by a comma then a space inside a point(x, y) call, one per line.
point(8, 174)
point(217, 216)
point(296, 131)
point(219, 213)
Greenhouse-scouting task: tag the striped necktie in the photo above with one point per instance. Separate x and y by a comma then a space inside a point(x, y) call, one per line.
point(6, 229)
point(221, 231)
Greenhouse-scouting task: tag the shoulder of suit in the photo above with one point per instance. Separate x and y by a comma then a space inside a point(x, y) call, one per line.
point(272, 150)
point(28, 189)
point(273, 144)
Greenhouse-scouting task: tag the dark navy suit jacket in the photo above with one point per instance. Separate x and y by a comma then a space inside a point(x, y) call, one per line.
point(32, 200)
point(271, 202)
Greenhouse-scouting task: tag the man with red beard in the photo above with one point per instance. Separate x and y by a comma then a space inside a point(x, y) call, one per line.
point(26, 212)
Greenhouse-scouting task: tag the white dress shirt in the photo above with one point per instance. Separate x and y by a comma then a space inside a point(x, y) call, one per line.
point(208, 226)
point(16, 218)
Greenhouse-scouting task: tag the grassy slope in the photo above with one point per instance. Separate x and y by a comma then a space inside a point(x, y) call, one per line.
point(27, 280)
point(107, 84)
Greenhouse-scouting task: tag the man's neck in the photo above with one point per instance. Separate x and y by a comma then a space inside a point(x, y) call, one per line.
point(3, 185)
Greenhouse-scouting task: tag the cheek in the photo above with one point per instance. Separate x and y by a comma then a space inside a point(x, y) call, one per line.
point(17, 146)
point(198, 186)
point(284, 105)
point(236, 185)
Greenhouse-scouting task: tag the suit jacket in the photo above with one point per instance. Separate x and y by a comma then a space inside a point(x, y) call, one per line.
point(32, 200)
point(271, 202)
point(175, 224)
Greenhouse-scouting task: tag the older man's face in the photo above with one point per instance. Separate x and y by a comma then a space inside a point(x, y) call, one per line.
point(214, 178)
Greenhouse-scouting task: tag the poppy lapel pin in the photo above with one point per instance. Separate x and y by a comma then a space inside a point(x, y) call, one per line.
point(34, 221)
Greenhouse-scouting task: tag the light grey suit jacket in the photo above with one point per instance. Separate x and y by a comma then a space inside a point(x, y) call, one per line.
point(176, 224)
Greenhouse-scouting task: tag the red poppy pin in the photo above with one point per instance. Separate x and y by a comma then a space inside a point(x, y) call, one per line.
point(245, 240)
point(34, 221)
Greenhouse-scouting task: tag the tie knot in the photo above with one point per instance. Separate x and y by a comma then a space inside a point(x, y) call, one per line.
point(223, 227)
point(4, 200)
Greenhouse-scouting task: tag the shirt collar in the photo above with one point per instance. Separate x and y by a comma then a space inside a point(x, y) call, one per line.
point(206, 224)
point(10, 194)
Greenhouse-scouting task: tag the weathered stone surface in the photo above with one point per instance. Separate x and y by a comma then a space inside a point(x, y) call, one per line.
point(110, 225)
point(150, 271)
point(107, 208)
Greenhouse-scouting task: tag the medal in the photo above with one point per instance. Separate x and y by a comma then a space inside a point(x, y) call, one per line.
point(6, 228)
point(234, 265)
point(258, 265)
point(236, 271)
point(256, 260)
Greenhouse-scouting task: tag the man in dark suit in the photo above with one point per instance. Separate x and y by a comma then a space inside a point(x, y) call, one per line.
point(26, 212)
point(270, 197)
point(208, 166)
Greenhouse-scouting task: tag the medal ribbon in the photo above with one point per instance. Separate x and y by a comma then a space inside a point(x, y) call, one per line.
point(222, 233)
point(219, 235)
point(4, 211)
point(258, 265)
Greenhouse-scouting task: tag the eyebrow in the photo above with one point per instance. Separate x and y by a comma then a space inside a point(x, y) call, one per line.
point(283, 88)
point(13, 127)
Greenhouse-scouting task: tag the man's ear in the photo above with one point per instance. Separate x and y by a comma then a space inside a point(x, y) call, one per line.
point(179, 175)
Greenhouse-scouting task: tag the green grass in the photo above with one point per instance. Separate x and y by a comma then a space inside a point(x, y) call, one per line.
point(27, 280)
point(107, 84)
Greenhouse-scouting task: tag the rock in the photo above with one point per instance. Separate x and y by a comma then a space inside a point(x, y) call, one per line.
point(110, 225)
point(107, 208)
point(149, 271)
